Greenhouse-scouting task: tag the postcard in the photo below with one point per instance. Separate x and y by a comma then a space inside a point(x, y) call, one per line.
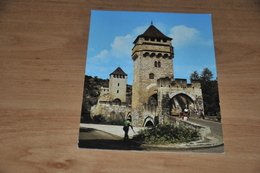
point(151, 84)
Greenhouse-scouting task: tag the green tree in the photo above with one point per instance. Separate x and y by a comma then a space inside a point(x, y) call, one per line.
point(209, 91)
point(194, 76)
point(206, 75)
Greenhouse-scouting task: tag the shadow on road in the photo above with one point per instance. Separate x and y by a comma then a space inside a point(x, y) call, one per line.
point(109, 144)
point(95, 139)
point(86, 129)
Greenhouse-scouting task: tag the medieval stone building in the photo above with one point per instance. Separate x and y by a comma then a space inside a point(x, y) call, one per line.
point(155, 91)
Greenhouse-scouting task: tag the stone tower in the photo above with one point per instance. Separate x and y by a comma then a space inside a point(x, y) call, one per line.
point(152, 54)
point(117, 86)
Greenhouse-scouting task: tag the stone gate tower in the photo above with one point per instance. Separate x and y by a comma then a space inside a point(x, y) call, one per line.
point(117, 85)
point(152, 54)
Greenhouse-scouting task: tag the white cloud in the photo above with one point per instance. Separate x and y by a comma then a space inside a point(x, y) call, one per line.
point(182, 35)
point(101, 57)
point(122, 46)
point(139, 30)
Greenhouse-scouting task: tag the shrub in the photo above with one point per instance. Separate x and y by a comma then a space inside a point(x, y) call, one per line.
point(117, 121)
point(98, 119)
point(166, 134)
point(218, 116)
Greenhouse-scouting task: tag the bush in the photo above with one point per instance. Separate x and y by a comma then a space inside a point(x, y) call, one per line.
point(218, 116)
point(94, 93)
point(166, 134)
point(99, 119)
point(117, 121)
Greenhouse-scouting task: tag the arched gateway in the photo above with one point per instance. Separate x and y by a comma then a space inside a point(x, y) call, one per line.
point(171, 95)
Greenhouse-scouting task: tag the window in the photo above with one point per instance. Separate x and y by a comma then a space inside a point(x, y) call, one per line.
point(159, 64)
point(151, 76)
point(155, 64)
point(117, 91)
point(118, 84)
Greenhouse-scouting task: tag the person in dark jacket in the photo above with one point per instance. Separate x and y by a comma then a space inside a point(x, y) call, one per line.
point(127, 124)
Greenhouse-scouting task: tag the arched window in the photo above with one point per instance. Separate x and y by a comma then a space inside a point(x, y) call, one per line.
point(151, 76)
point(155, 64)
point(159, 64)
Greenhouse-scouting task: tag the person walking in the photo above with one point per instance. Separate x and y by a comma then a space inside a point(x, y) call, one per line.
point(201, 114)
point(186, 114)
point(127, 124)
point(196, 114)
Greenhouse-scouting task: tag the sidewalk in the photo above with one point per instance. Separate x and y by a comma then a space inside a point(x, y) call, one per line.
point(112, 129)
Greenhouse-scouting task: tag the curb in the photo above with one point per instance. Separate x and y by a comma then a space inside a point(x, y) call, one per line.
point(182, 146)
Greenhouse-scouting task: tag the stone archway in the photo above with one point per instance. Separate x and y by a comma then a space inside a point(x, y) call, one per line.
point(171, 95)
point(179, 102)
point(153, 100)
point(117, 101)
point(148, 121)
point(172, 103)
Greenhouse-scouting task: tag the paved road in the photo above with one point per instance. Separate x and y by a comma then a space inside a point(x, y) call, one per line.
point(215, 127)
point(96, 139)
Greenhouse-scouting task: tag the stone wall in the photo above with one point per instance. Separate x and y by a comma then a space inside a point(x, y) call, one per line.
point(177, 122)
point(203, 130)
point(110, 110)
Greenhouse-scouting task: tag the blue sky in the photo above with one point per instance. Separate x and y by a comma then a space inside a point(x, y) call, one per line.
point(112, 34)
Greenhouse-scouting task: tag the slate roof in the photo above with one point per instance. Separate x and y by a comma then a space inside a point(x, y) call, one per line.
point(118, 71)
point(153, 32)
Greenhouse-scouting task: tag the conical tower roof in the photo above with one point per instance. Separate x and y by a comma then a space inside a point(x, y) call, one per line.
point(118, 71)
point(153, 32)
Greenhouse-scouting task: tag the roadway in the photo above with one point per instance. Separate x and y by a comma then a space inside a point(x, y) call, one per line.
point(215, 127)
point(93, 136)
point(96, 139)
